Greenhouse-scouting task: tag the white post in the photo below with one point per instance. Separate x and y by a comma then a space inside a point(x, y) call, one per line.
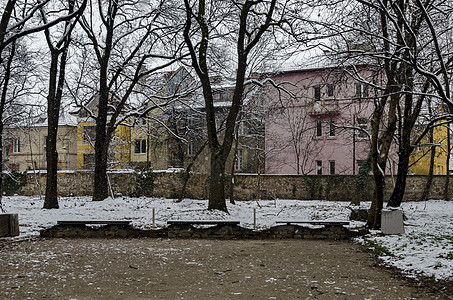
point(154, 219)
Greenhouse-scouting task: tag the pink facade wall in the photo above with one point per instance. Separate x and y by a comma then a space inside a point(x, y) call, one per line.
point(298, 126)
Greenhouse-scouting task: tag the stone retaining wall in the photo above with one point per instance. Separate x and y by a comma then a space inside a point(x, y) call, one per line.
point(191, 232)
point(246, 187)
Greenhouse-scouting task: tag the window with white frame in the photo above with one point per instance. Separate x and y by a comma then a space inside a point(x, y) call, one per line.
point(317, 93)
point(362, 123)
point(140, 146)
point(330, 90)
point(332, 167)
point(16, 145)
point(318, 128)
point(332, 128)
point(238, 161)
point(361, 90)
point(319, 167)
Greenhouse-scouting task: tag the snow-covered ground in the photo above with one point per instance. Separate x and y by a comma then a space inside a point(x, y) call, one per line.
point(425, 249)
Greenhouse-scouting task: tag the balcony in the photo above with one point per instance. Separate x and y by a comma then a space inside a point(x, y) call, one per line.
point(323, 107)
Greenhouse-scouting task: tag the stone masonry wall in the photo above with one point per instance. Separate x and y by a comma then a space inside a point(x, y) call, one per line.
point(246, 187)
point(211, 232)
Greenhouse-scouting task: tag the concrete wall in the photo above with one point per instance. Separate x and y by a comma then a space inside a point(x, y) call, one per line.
point(247, 187)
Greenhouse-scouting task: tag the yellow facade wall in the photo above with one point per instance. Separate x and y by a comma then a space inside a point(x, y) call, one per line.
point(420, 159)
point(119, 149)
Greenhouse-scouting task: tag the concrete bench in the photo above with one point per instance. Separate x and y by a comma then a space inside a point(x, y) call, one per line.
point(94, 222)
point(203, 222)
point(326, 223)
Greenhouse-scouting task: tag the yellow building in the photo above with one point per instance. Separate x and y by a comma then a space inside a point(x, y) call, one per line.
point(152, 143)
point(421, 157)
point(149, 144)
point(119, 151)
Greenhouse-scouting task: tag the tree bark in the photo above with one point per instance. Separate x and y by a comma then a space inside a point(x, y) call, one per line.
point(217, 182)
point(53, 107)
point(101, 146)
point(429, 180)
point(57, 75)
point(6, 79)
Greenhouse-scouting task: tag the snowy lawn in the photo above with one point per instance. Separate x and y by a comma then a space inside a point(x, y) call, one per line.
point(425, 249)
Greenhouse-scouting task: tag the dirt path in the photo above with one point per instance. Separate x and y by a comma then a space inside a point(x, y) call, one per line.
point(194, 269)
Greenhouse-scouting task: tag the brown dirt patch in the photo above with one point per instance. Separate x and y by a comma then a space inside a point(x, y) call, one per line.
point(195, 269)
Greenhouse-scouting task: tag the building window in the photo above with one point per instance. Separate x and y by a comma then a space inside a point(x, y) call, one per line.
point(89, 133)
point(332, 167)
point(317, 93)
point(88, 161)
point(16, 145)
point(190, 148)
point(318, 128)
point(242, 129)
point(140, 146)
point(362, 123)
point(238, 161)
point(332, 128)
point(360, 163)
point(361, 90)
point(318, 167)
point(330, 89)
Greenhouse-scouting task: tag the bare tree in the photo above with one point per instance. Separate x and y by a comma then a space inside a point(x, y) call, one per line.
point(407, 44)
point(58, 53)
point(18, 19)
point(243, 24)
point(124, 37)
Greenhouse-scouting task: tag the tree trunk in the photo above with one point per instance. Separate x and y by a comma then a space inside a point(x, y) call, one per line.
point(187, 173)
point(447, 177)
point(6, 78)
point(403, 167)
point(429, 180)
point(53, 107)
point(236, 143)
point(217, 182)
point(101, 146)
point(101, 185)
point(1, 164)
point(54, 97)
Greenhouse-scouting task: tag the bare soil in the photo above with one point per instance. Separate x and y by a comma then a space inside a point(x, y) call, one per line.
point(196, 269)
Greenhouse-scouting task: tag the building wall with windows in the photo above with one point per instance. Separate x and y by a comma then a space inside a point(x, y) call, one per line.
point(148, 145)
point(25, 147)
point(119, 152)
point(319, 122)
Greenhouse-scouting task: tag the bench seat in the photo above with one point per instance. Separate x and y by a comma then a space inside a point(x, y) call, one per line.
point(328, 223)
point(203, 222)
point(94, 222)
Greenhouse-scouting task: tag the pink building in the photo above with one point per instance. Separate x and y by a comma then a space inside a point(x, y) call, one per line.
point(319, 121)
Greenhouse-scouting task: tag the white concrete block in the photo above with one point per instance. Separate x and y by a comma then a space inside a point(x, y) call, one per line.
point(392, 221)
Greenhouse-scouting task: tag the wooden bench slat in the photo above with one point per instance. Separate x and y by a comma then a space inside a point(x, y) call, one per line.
point(289, 222)
point(94, 222)
point(203, 222)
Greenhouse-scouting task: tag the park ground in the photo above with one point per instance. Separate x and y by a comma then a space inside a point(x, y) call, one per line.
point(198, 269)
point(423, 255)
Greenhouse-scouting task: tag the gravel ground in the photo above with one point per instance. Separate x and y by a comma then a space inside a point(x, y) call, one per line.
point(195, 269)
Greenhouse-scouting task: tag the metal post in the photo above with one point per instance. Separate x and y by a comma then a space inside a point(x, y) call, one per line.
point(254, 218)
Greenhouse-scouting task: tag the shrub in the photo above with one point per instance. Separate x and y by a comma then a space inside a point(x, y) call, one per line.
point(12, 181)
point(144, 183)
